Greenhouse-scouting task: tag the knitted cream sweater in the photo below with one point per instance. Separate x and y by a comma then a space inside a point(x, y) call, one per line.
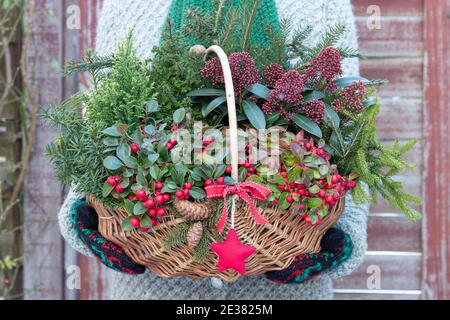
point(148, 16)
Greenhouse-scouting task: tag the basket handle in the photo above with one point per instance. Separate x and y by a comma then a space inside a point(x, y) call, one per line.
point(231, 104)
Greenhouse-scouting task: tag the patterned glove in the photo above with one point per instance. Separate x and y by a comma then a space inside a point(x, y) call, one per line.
point(336, 248)
point(85, 222)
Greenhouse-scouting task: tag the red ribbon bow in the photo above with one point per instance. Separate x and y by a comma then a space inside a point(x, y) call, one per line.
point(245, 190)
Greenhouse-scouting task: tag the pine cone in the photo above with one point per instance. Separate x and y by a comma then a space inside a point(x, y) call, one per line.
point(195, 234)
point(192, 211)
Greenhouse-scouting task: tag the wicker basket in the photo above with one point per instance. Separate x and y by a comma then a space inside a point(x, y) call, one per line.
point(277, 242)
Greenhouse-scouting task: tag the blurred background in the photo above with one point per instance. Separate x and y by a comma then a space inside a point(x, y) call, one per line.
point(406, 42)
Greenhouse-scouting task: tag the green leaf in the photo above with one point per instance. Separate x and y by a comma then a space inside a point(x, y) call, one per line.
point(313, 95)
point(140, 178)
point(129, 205)
point(307, 125)
point(229, 181)
point(279, 179)
point(106, 190)
point(207, 109)
point(169, 187)
point(149, 129)
point(126, 226)
point(272, 118)
point(220, 170)
point(130, 162)
point(254, 114)
point(314, 202)
point(139, 209)
point(125, 183)
point(207, 92)
point(346, 81)
point(370, 101)
point(145, 221)
point(123, 150)
point(331, 117)
point(197, 193)
point(110, 142)
point(179, 115)
point(324, 170)
point(153, 157)
point(112, 131)
point(282, 203)
point(154, 172)
point(314, 189)
point(152, 106)
point(260, 91)
point(112, 163)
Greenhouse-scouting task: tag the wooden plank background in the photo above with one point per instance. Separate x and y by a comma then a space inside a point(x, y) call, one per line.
point(395, 52)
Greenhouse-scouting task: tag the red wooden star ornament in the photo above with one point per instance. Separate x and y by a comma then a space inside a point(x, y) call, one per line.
point(232, 253)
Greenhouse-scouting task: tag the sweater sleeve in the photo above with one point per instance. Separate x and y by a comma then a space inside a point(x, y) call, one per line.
point(66, 226)
point(354, 219)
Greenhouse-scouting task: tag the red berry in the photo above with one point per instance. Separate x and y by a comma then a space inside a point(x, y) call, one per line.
point(308, 146)
point(335, 178)
point(134, 148)
point(329, 199)
point(329, 186)
point(154, 222)
point(247, 164)
point(150, 203)
point(111, 181)
point(228, 170)
point(276, 201)
point(152, 212)
point(249, 174)
point(166, 197)
point(338, 188)
point(289, 199)
point(351, 184)
point(280, 187)
point(302, 206)
point(159, 185)
point(161, 212)
point(307, 219)
point(173, 142)
point(132, 198)
point(135, 222)
point(188, 185)
point(119, 189)
point(159, 199)
point(208, 141)
point(336, 197)
point(141, 194)
point(283, 174)
point(283, 168)
point(169, 146)
point(220, 180)
point(208, 182)
point(179, 194)
point(322, 193)
point(251, 169)
point(186, 193)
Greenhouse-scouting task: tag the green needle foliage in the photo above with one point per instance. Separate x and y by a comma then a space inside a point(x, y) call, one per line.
point(176, 73)
point(358, 152)
point(122, 94)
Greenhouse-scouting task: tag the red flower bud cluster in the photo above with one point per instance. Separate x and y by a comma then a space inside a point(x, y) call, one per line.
point(315, 110)
point(324, 68)
point(286, 93)
point(243, 70)
point(352, 97)
point(272, 74)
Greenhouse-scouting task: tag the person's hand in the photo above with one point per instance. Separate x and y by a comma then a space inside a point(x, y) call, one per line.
point(336, 248)
point(85, 223)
